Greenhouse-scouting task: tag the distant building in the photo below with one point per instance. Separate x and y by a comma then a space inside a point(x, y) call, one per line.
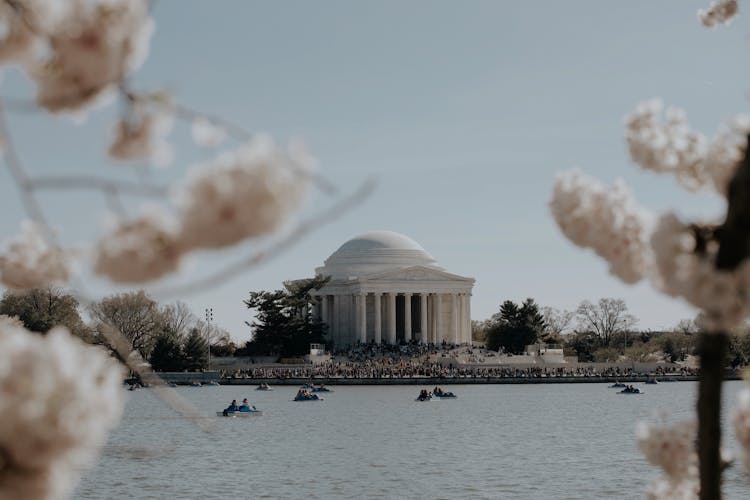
point(385, 288)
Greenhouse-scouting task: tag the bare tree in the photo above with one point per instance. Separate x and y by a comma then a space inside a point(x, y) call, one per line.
point(177, 319)
point(214, 334)
point(556, 321)
point(687, 326)
point(134, 314)
point(606, 318)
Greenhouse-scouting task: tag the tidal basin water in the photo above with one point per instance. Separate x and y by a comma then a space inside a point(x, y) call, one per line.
point(567, 441)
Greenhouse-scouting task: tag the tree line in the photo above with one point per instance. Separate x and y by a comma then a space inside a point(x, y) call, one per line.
point(601, 332)
point(170, 337)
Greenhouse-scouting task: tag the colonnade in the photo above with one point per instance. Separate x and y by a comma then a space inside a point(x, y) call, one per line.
point(391, 316)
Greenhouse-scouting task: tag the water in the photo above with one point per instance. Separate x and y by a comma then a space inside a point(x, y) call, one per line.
point(572, 441)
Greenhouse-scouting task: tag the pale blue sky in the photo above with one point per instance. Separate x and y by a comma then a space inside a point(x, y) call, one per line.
point(463, 112)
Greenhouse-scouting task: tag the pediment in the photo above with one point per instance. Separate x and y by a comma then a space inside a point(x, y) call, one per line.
point(414, 273)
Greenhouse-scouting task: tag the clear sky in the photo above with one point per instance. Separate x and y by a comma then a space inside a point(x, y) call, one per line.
point(462, 111)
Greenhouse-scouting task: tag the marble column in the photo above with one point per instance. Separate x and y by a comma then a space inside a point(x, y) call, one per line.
point(454, 319)
point(335, 319)
point(407, 317)
point(362, 317)
point(423, 317)
point(469, 338)
point(391, 318)
point(438, 323)
point(324, 310)
point(378, 332)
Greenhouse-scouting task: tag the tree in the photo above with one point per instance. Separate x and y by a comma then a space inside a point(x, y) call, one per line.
point(556, 322)
point(196, 351)
point(177, 318)
point(606, 318)
point(167, 354)
point(41, 309)
point(283, 322)
point(479, 330)
point(585, 344)
point(514, 327)
point(134, 314)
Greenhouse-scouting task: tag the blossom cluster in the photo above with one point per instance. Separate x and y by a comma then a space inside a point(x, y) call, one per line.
point(142, 135)
point(242, 194)
point(59, 398)
point(673, 449)
point(606, 219)
point(671, 146)
point(719, 12)
point(77, 50)
point(30, 262)
point(683, 271)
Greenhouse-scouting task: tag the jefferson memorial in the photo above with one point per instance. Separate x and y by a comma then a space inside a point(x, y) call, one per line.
point(385, 288)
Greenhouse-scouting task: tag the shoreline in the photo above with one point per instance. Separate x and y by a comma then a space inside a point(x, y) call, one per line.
point(463, 381)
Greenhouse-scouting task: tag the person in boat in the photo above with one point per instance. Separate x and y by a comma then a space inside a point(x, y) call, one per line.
point(245, 405)
point(232, 407)
point(437, 390)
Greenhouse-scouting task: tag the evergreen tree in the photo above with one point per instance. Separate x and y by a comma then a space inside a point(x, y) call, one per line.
point(283, 322)
point(167, 355)
point(195, 351)
point(514, 327)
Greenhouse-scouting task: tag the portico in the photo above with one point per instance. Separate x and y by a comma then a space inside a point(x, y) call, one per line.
point(385, 288)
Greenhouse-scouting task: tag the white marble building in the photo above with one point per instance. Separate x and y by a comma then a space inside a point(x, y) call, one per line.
point(386, 288)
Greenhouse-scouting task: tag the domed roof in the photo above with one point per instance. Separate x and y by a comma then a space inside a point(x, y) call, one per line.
point(375, 252)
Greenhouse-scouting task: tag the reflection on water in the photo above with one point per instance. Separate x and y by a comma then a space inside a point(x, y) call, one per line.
point(495, 441)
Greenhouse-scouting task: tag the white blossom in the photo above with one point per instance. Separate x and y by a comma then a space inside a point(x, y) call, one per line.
point(673, 489)
point(741, 420)
point(59, 398)
point(23, 25)
point(245, 193)
point(606, 219)
point(681, 272)
point(30, 262)
point(206, 133)
point(671, 447)
point(718, 12)
point(672, 147)
point(141, 250)
point(142, 136)
point(98, 45)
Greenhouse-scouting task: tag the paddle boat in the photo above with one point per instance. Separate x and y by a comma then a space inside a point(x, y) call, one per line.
point(264, 387)
point(305, 395)
point(439, 393)
point(424, 395)
point(631, 390)
point(242, 410)
point(317, 388)
point(617, 384)
point(195, 383)
point(250, 412)
point(651, 381)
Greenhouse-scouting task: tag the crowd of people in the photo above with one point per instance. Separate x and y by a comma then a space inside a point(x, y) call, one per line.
point(380, 361)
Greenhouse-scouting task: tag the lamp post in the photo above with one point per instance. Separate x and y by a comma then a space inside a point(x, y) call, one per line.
point(209, 319)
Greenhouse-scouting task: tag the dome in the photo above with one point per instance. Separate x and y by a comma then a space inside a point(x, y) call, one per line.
point(375, 252)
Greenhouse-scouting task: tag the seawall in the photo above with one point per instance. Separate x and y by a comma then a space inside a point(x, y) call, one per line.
point(433, 381)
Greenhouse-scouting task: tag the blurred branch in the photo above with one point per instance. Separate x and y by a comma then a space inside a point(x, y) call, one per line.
point(305, 227)
point(96, 183)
